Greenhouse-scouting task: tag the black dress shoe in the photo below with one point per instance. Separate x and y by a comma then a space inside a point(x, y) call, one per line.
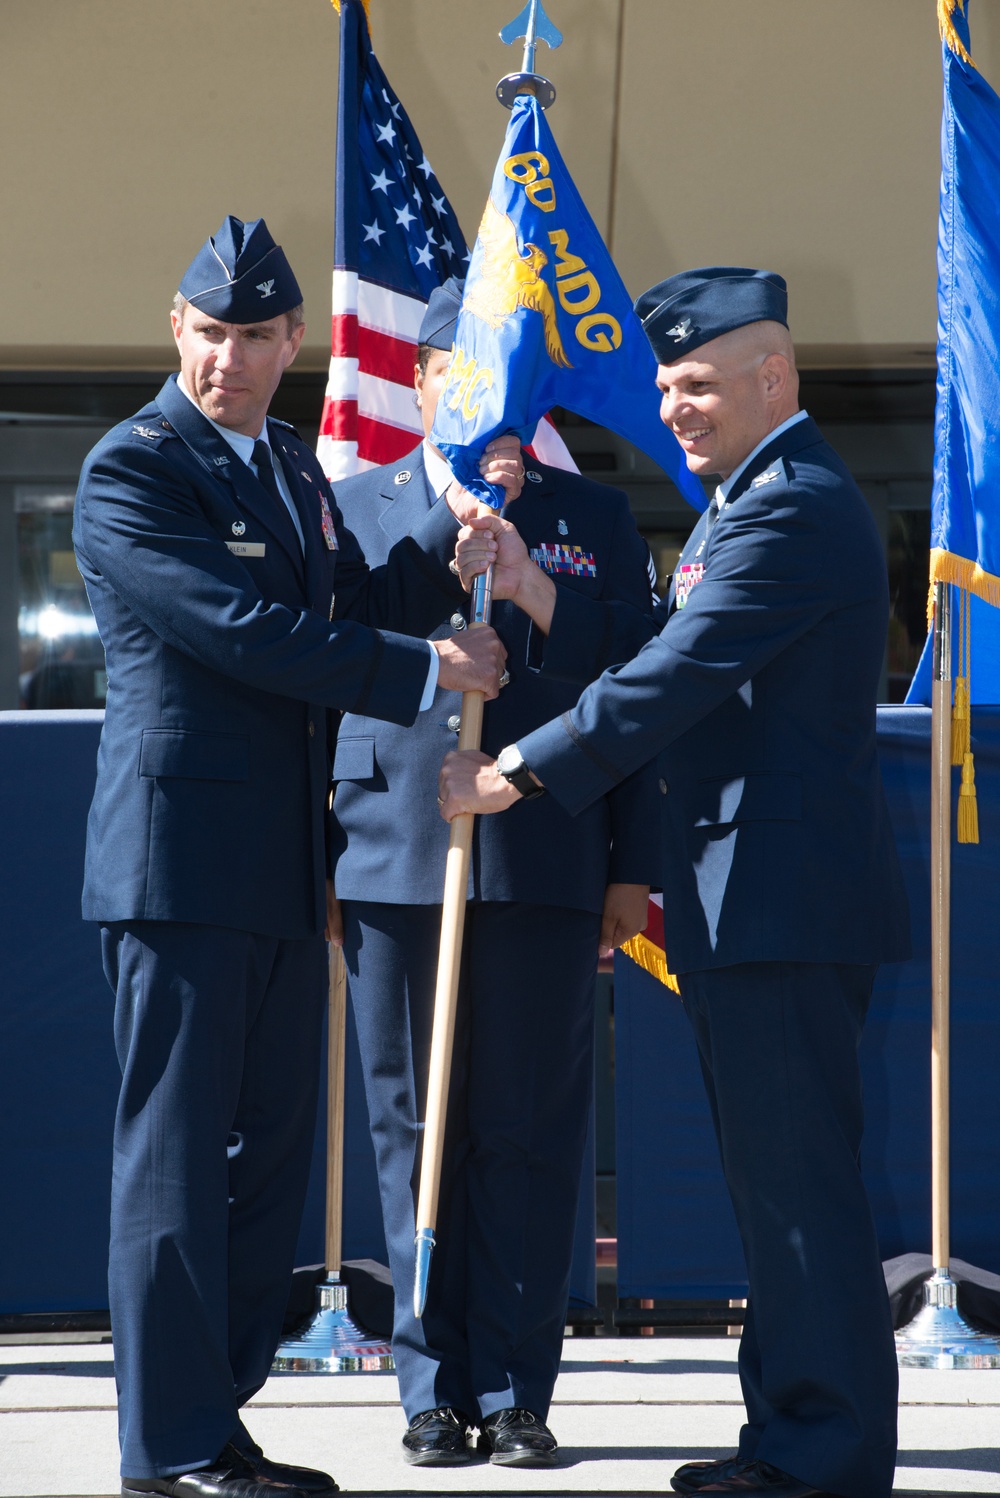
point(517, 1438)
point(437, 1438)
point(736, 1479)
point(692, 1476)
point(307, 1479)
point(233, 1474)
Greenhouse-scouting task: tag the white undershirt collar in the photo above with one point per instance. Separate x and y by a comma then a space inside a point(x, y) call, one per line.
point(242, 446)
point(439, 475)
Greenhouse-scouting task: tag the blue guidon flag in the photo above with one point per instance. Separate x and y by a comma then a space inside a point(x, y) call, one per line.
point(546, 321)
point(965, 505)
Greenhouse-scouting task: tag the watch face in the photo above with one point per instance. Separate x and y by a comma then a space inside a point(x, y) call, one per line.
point(508, 760)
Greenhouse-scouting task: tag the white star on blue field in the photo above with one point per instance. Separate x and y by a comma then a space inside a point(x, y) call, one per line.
point(409, 237)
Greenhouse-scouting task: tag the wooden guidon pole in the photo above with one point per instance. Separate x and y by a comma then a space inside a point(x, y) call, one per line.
point(456, 881)
point(336, 1044)
point(940, 927)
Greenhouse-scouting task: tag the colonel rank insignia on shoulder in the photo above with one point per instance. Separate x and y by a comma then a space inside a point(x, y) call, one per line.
point(769, 477)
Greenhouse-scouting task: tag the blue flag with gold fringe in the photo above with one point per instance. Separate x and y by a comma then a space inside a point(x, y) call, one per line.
point(965, 519)
point(546, 321)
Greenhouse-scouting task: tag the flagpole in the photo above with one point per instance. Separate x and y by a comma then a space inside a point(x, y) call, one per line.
point(939, 1335)
point(456, 881)
point(333, 1342)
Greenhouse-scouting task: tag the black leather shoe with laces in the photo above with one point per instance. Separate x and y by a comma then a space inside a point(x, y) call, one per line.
point(517, 1438)
point(308, 1479)
point(692, 1476)
point(233, 1474)
point(437, 1438)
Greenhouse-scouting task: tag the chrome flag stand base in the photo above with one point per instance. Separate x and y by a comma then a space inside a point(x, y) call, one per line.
point(939, 1335)
point(332, 1342)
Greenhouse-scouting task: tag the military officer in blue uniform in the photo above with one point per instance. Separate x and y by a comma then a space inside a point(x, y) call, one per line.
point(544, 891)
point(237, 613)
point(781, 886)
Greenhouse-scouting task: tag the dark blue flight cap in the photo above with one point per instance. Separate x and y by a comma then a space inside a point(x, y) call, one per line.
point(438, 327)
point(695, 306)
point(241, 275)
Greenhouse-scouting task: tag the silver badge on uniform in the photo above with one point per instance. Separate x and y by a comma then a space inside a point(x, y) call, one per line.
point(239, 527)
point(141, 431)
point(403, 476)
point(766, 478)
point(562, 528)
point(535, 478)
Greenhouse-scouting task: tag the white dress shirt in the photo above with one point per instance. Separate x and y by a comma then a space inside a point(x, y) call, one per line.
point(243, 446)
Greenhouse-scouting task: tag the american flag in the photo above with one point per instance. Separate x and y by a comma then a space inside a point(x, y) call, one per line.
point(397, 238)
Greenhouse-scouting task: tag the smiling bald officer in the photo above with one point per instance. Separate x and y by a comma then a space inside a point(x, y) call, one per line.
point(781, 885)
point(237, 614)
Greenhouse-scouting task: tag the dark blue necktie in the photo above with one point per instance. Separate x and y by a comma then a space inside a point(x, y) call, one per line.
point(265, 472)
point(712, 513)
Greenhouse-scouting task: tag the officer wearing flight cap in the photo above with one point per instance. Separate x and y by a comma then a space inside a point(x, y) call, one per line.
point(781, 885)
point(237, 613)
point(546, 890)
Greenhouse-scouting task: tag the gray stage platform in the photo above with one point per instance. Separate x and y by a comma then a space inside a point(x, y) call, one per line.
point(626, 1412)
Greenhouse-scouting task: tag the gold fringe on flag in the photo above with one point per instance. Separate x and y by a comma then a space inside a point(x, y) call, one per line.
point(649, 957)
point(946, 25)
point(946, 567)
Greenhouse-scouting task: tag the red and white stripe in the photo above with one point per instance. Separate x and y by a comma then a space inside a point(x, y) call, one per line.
point(369, 416)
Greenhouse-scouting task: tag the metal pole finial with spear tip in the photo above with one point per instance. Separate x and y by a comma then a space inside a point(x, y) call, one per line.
point(534, 26)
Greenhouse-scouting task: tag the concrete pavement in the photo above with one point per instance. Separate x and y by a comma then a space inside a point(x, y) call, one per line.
point(627, 1411)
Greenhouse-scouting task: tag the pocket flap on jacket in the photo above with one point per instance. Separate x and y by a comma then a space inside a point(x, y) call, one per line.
point(748, 798)
point(187, 754)
point(354, 759)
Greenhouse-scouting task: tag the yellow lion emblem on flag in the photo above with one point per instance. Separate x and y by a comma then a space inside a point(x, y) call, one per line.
point(508, 280)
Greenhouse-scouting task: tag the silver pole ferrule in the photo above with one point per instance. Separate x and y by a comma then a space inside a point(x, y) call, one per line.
point(942, 632)
point(482, 597)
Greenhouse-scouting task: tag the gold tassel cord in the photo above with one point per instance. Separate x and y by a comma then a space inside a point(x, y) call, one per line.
point(961, 728)
point(968, 810)
point(949, 32)
point(649, 957)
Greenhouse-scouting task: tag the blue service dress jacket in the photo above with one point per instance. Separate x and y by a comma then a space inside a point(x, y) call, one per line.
point(389, 840)
point(754, 693)
point(228, 647)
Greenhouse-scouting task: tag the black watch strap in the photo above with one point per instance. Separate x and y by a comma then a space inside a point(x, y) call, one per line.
point(513, 769)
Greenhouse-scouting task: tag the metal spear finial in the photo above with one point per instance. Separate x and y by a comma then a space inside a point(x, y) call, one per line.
point(534, 26)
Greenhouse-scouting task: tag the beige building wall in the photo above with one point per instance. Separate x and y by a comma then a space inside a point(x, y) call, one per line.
point(797, 134)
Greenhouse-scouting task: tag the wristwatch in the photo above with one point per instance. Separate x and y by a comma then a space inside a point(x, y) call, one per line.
point(512, 768)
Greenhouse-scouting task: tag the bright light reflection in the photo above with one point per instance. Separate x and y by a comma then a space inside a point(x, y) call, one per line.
point(52, 623)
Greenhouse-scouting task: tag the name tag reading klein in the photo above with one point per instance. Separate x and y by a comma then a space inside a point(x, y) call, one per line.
point(246, 548)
